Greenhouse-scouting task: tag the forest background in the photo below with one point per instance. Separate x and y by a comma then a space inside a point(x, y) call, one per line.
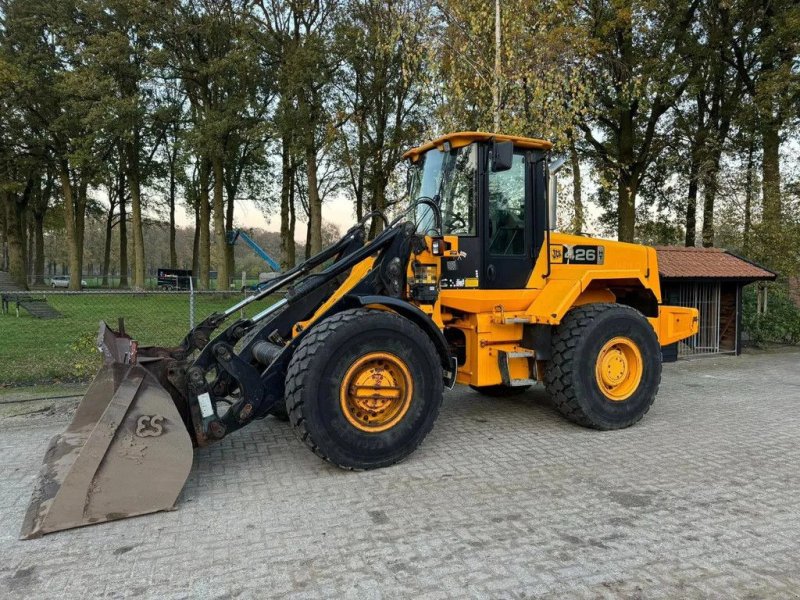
point(136, 134)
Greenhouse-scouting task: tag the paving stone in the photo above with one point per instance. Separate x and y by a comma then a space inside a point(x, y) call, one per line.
point(504, 499)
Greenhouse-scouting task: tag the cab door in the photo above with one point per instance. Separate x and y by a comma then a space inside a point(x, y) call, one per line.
point(507, 224)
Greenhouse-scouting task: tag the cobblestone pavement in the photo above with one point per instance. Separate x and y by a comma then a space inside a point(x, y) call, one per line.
point(504, 499)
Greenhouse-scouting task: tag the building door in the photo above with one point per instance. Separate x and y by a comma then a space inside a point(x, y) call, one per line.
point(705, 297)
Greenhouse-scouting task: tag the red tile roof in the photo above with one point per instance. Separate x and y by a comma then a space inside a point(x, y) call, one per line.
point(678, 262)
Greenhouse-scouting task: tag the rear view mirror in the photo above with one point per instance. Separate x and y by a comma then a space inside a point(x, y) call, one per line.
point(502, 156)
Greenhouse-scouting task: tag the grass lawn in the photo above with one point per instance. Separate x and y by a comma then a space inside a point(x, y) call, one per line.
point(34, 351)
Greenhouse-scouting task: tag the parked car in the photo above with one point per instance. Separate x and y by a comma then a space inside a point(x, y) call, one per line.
point(63, 281)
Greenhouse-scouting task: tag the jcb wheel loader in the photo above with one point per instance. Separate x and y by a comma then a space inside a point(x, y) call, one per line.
point(471, 285)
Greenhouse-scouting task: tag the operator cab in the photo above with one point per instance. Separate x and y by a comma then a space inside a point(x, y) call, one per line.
point(490, 189)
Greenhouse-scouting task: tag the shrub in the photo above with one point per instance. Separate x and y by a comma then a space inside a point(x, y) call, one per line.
point(780, 324)
point(86, 359)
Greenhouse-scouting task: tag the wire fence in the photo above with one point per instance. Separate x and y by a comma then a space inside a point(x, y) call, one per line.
point(49, 336)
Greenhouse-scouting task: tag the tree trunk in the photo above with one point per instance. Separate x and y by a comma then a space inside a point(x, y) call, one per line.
point(287, 199)
point(626, 180)
point(16, 238)
point(378, 199)
point(771, 176)
point(748, 198)
point(307, 253)
point(497, 67)
point(196, 241)
point(292, 215)
point(107, 246)
point(379, 179)
point(136, 217)
point(173, 253)
point(229, 206)
point(709, 197)
point(359, 179)
point(38, 261)
point(578, 221)
point(314, 202)
point(39, 207)
point(29, 249)
point(219, 225)
point(204, 241)
point(691, 200)
point(74, 241)
point(3, 235)
point(80, 225)
point(123, 234)
point(710, 187)
point(287, 260)
point(626, 223)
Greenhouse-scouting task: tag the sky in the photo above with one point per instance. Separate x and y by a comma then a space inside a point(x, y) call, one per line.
point(340, 210)
point(247, 214)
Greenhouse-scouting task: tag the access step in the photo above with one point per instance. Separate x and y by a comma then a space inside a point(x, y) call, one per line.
point(505, 372)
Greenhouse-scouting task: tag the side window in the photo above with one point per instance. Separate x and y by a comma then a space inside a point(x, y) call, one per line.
point(507, 215)
point(458, 192)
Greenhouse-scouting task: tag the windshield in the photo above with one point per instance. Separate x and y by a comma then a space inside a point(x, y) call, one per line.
point(448, 178)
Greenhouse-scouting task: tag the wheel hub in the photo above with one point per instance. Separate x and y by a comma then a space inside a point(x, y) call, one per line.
point(376, 392)
point(619, 368)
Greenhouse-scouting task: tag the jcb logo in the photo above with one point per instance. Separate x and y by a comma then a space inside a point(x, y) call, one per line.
point(568, 254)
point(149, 426)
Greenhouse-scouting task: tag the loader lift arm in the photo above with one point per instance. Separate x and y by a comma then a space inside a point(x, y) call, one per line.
point(254, 375)
point(198, 337)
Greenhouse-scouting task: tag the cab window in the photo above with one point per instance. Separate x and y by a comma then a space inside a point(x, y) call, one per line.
point(507, 214)
point(448, 178)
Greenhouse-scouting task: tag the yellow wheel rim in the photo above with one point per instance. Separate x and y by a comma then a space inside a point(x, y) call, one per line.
point(376, 391)
point(619, 368)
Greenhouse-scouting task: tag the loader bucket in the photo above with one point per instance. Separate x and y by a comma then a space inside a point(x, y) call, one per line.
point(125, 453)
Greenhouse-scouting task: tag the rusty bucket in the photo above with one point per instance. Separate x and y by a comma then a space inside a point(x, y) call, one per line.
point(125, 453)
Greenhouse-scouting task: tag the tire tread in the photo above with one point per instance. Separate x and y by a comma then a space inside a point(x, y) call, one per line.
point(301, 364)
point(560, 371)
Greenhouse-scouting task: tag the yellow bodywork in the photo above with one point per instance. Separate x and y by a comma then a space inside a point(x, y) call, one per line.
point(493, 320)
point(464, 138)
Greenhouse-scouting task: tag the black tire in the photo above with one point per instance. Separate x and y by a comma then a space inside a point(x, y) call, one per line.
point(500, 390)
point(319, 366)
point(570, 375)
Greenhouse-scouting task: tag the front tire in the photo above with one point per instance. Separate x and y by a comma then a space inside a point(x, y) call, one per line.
point(606, 366)
point(364, 388)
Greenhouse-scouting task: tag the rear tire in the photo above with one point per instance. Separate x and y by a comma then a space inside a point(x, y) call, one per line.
point(364, 388)
point(606, 366)
point(500, 390)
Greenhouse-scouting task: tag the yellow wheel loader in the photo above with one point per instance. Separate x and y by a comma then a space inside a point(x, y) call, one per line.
point(469, 285)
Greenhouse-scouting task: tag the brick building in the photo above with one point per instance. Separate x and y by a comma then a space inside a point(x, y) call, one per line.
point(711, 280)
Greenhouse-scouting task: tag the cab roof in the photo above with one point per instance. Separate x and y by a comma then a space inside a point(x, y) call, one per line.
point(464, 138)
